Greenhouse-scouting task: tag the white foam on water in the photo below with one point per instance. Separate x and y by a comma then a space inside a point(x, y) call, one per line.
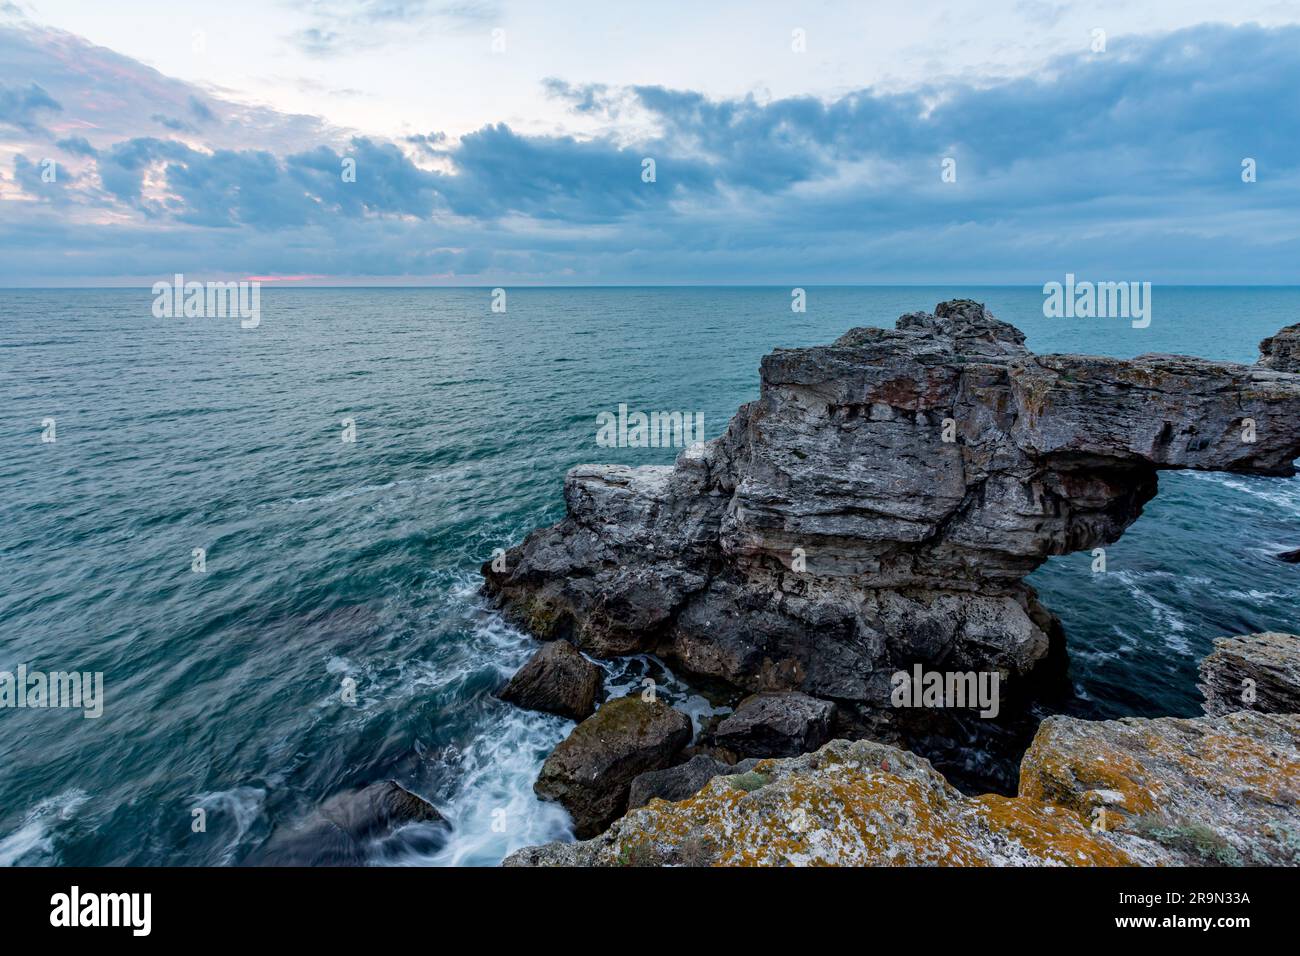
point(491, 805)
point(347, 493)
point(493, 811)
point(1282, 492)
point(32, 844)
point(243, 805)
point(1259, 598)
point(1169, 624)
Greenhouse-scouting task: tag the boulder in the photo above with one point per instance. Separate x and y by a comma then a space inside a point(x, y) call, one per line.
point(1203, 791)
point(1255, 672)
point(881, 503)
point(591, 770)
point(346, 827)
point(681, 781)
point(557, 680)
point(776, 724)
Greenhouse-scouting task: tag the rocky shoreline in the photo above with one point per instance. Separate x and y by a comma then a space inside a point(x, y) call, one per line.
point(850, 553)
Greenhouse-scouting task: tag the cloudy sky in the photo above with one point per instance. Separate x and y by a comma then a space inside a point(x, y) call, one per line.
point(503, 142)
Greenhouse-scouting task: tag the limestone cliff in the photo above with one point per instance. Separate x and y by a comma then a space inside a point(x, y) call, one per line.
point(881, 502)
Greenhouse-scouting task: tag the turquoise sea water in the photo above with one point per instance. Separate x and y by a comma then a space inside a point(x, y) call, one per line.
point(328, 561)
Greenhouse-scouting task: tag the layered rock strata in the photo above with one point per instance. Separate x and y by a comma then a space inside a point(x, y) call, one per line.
point(1255, 672)
point(881, 502)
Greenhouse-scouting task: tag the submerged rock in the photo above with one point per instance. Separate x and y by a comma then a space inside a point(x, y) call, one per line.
point(558, 680)
point(880, 504)
point(774, 724)
point(1255, 672)
point(681, 781)
point(591, 770)
point(345, 828)
point(1093, 793)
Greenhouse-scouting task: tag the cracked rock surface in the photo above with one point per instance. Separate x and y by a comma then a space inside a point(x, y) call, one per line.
point(1202, 791)
point(881, 502)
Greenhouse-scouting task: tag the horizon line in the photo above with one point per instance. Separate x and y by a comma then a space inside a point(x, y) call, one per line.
point(657, 285)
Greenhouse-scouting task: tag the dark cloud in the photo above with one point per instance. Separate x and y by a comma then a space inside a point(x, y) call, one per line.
point(429, 144)
point(559, 177)
point(171, 123)
point(201, 111)
point(1127, 161)
point(46, 179)
point(386, 181)
point(77, 146)
point(20, 106)
point(583, 98)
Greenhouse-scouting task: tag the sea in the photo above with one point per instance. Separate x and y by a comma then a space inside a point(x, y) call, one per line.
point(281, 614)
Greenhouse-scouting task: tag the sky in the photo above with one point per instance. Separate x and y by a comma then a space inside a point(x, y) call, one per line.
point(501, 142)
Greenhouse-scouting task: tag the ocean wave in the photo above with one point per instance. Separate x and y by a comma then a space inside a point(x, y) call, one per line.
point(242, 805)
point(493, 810)
point(1282, 492)
point(1169, 624)
point(32, 844)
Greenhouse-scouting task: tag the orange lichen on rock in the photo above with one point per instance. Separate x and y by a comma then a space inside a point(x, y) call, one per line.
point(1092, 793)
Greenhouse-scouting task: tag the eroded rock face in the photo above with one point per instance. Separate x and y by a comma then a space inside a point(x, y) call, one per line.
point(776, 724)
point(1255, 672)
point(880, 504)
point(591, 769)
point(1207, 791)
point(558, 680)
point(1282, 351)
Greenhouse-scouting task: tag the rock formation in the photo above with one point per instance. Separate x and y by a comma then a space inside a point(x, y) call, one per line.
point(1204, 791)
point(1282, 351)
point(558, 680)
point(881, 502)
point(1256, 672)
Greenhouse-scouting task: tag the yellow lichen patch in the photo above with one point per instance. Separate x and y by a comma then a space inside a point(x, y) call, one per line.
point(1059, 772)
point(1207, 790)
point(849, 812)
point(1050, 834)
point(1248, 763)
